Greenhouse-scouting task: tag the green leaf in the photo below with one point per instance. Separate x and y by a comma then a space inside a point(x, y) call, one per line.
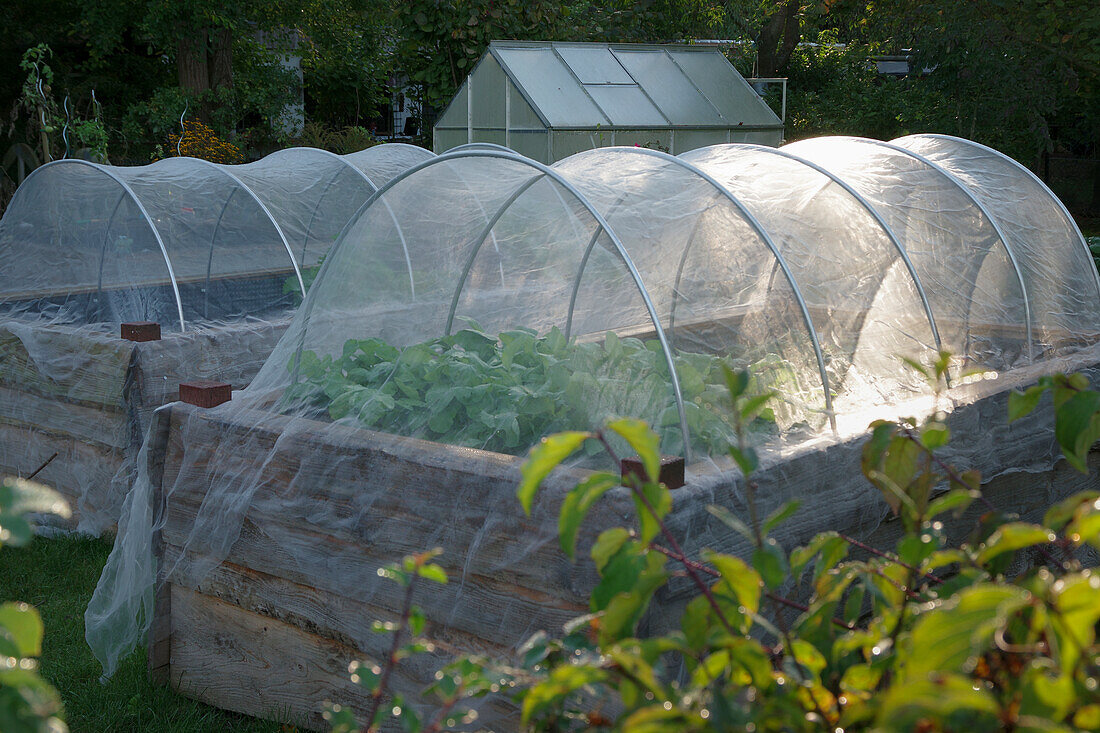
point(432, 572)
point(576, 505)
point(745, 583)
point(1021, 404)
point(736, 382)
point(659, 500)
point(771, 562)
point(830, 545)
point(625, 609)
point(607, 545)
point(544, 458)
point(644, 442)
point(746, 459)
point(1058, 515)
point(21, 625)
point(561, 682)
point(1076, 427)
point(781, 514)
point(944, 639)
point(936, 698)
point(1013, 536)
point(732, 521)
point(935, 435)
point(1077, 602)
point(32, 497)
point(956, 499)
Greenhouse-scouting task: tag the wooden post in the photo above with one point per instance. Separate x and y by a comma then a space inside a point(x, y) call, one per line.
point(671, 473)
point(159, 645)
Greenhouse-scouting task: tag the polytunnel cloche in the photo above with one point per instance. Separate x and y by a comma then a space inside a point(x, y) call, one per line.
point(482, 300)
point(485, 299)
point(181, 240)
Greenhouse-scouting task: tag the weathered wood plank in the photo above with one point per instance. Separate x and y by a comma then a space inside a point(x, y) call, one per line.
point(333, 615)
point(99, 425)
point(236, 659)
point(80, 366)
point(495, 608)
point(383, 494)
point(81, 472)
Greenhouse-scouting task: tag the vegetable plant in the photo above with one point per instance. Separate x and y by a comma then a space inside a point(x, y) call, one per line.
point(503, 392)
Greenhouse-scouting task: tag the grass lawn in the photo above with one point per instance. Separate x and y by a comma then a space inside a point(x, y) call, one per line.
point(57, 576)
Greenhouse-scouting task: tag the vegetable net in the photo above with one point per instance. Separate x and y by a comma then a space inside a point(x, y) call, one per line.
point(183, 239)
point(217, 255)
point(483, 300)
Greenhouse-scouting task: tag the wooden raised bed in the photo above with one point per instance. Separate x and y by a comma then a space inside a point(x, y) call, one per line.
point(86, 394)
point(271, 632)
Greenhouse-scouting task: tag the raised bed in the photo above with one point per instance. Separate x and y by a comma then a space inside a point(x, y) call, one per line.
point(87, 394)
point(270, 625)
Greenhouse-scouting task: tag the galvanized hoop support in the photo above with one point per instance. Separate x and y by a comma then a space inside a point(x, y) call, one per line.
point(1034, 178)
point(105, 170)
point(224, 170)
point(480, 240)
point(985, 212)
point(877, 217)
point(766, 238)
point(620, 249)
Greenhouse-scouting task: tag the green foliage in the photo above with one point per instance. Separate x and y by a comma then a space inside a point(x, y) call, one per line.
point(502, 392)
point(28, 704)
point(464, 680)
point(929, 635)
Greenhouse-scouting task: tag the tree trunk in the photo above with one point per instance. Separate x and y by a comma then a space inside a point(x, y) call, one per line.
point(191, 63)
point(777, 40)
point(221, 58)
point(1094, 205)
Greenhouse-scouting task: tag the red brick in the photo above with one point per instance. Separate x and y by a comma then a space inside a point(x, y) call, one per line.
point(204, 393)
point(141, 331)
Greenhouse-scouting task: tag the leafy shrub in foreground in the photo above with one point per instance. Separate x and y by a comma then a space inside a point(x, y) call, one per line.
point(925, 636)
point(28, 704)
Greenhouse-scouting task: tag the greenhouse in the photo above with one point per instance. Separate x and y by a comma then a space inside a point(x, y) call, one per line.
point(182, 239)
point(483, 300)
point(550, 100)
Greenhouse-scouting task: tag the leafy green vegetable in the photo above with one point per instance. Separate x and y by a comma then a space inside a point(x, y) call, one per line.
point(503, 392)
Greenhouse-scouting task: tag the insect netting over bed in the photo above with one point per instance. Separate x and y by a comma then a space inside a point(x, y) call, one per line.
point(482, 300)
point(181, 240)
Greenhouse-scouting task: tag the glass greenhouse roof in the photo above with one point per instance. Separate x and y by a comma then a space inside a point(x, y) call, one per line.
point(582, 85)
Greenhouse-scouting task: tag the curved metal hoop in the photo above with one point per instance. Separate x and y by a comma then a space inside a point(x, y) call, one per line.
point(1035, 179)
point(554, 175)
point(780, 260)
point(105, 170)
point(222, 169)
point(877, 217)
point(985, 212)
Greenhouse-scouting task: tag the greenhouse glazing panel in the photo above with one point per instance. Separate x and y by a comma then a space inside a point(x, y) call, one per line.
point(552, 87)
